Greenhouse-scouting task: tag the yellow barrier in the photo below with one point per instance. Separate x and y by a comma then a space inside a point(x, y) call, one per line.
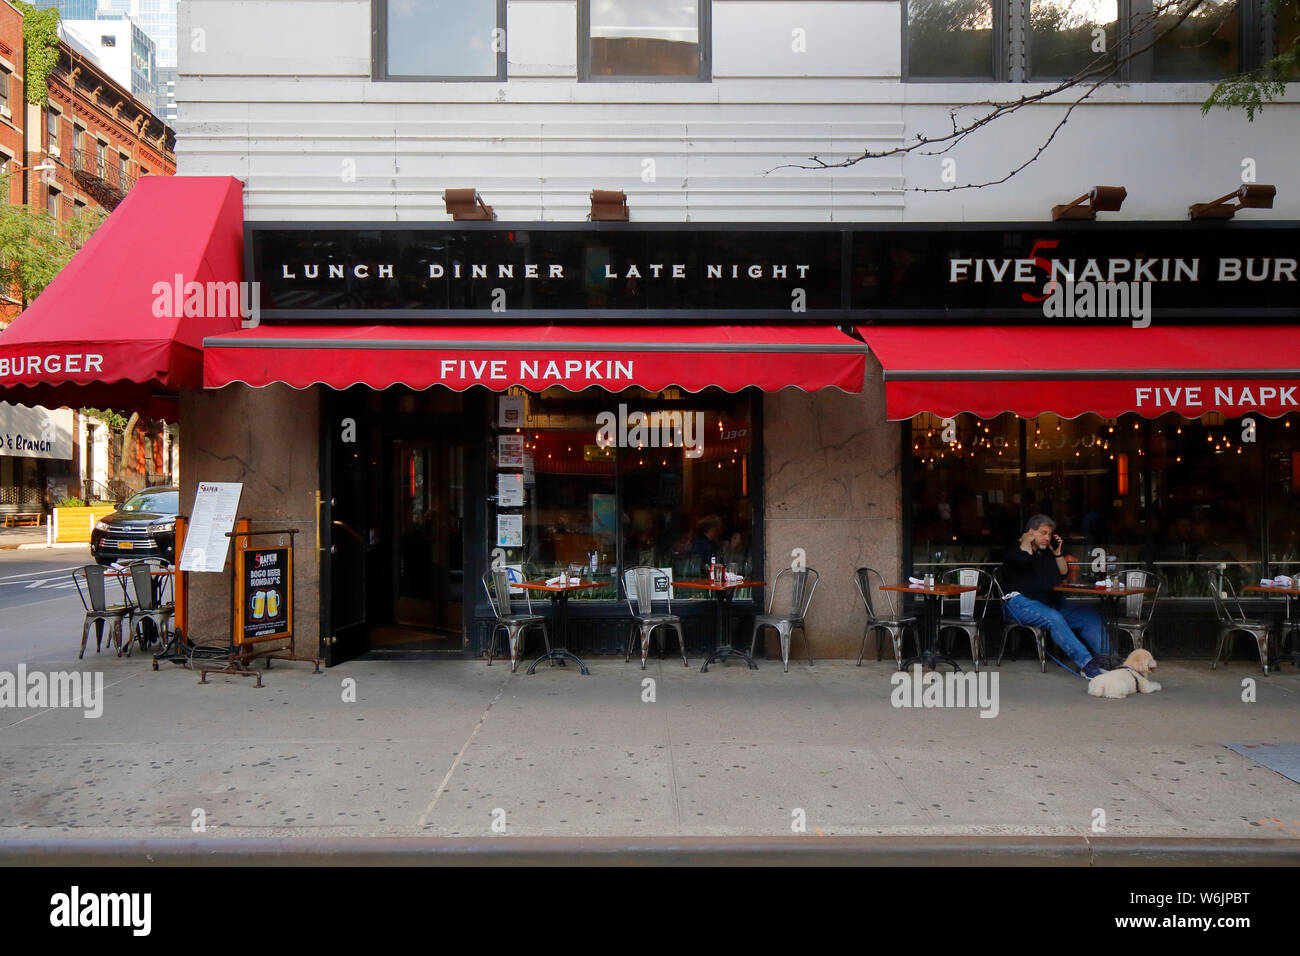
point(75, 524)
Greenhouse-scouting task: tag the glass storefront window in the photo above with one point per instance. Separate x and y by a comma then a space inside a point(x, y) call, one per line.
point(613, 481)
point(1176, 495)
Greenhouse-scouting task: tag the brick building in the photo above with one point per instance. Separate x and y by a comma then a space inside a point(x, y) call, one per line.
point(100, 138)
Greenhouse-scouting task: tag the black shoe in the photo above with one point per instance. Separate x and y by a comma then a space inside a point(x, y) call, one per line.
point(1093, 669)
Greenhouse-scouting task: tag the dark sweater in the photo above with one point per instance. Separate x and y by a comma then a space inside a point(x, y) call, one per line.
point(1034, 575)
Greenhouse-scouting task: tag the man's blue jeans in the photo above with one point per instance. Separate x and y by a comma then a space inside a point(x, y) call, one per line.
point(1062, 622)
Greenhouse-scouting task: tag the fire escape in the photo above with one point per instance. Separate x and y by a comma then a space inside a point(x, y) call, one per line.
point(107, 182)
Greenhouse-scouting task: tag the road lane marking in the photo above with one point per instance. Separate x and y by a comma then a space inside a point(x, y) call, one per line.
point(28, 574)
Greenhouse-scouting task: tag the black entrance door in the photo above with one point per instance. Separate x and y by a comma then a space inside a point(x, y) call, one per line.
point(349, 455)
point(398, 469)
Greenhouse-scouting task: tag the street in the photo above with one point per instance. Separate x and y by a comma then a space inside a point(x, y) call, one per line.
point(39, 607)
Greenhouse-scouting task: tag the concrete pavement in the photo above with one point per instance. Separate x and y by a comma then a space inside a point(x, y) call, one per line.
point(461, 750)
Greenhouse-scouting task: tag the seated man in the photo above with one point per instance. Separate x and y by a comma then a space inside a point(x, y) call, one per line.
point(1035, 566)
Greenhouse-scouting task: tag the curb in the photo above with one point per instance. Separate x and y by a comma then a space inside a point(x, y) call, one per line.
point(656, 851)
point(43, 546)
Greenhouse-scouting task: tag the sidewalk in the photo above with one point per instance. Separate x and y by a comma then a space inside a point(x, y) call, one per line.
point(450, 749)
point(30, 538)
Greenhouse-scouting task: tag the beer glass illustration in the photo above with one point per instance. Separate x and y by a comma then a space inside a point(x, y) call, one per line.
point(259, 605)
point(272, 604)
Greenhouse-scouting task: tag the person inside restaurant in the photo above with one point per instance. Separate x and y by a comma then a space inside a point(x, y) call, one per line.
point(1033, 567)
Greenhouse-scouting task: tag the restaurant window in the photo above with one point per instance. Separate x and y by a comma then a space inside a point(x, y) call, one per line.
point(1176, 495)
point(440, 40)
point(643, 40)
point(1282, 476)
point(659, 479)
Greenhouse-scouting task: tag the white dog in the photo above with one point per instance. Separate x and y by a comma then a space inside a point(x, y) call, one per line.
point(1124, 680)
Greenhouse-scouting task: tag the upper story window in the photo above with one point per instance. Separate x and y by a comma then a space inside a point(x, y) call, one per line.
point(952, 39)
point(439, 39)
point(977, 39)
point(4, 93)
point(643, 40)
point(51, 131)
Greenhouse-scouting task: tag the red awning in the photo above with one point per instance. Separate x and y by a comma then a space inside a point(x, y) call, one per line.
point(121, 323)
point(536, 357)
point(1074, 370)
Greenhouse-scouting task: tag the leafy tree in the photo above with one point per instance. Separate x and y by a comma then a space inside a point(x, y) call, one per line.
point(34, 246)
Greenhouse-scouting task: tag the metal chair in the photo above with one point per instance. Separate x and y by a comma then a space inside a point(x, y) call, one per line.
point(1232, 619)
point(1039, 634)
point(148, 603)
point(803, 583)
point(966, 620)
point(640, 585)
point(497, 585)
point(1138, 608)
point(1287, 626)
point(891, 624)
point(94, 599)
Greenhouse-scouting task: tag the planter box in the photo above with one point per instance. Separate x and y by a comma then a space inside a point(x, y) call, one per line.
point(75, 524)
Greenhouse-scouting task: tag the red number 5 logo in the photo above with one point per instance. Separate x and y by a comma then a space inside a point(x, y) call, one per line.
point(1045, 265)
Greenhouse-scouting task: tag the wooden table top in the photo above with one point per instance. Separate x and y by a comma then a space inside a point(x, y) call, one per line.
point(560, 588)
point(943, 590)
point(1271, 589)
point(1101, 592)
point(706, 585)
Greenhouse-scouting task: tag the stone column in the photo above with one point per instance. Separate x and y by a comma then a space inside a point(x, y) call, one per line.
point(269, 439)
point(832, 472)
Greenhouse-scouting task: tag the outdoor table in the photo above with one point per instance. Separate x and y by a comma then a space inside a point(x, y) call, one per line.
point(723, 593)
point(559, 594)
point(1109, 598)
point(159, 574)
point(933, 595)
point(1287, 593)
